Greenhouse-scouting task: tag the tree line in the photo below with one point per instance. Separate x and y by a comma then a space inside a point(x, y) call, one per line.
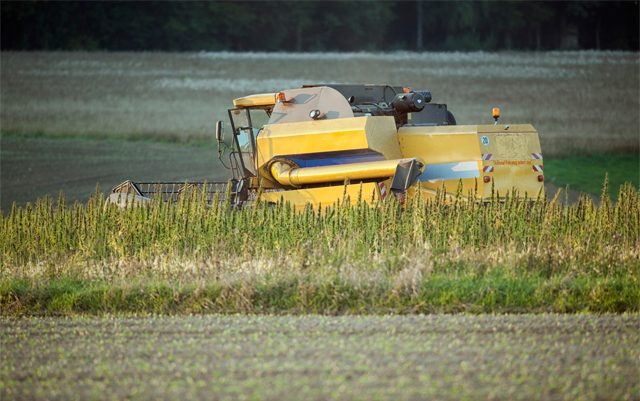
point(319, 25)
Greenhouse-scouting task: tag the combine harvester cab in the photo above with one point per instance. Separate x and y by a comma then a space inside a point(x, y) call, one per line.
point(322, 144)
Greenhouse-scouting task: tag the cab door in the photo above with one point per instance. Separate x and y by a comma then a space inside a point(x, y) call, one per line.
point(244, 137)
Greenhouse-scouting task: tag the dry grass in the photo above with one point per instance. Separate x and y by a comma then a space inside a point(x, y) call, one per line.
point(579, 101)
point(573, 234)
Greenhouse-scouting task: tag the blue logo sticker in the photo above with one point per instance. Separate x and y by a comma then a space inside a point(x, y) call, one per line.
point(484, 140)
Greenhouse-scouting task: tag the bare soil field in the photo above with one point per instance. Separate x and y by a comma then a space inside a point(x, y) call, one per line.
point(32, 167)
point(579, 101)
point(446, 357)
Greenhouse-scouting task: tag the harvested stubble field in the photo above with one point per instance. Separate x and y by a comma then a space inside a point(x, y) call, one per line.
point(525, 357)
point(578, 100)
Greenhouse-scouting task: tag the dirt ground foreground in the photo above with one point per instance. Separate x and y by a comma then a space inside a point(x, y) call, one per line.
point(444, 357)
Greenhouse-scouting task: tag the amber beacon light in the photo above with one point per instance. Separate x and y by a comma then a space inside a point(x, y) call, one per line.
point(495, 112)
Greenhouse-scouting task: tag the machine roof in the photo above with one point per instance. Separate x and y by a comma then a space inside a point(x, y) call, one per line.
point(257, 100)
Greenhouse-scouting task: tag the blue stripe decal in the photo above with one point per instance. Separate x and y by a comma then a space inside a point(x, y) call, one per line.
point(316, 160)
point(450, 171)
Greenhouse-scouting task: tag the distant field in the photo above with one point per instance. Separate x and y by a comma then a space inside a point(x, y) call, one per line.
point(587, 173)
point(32, 167)
point(585, 101)
point(487, 357)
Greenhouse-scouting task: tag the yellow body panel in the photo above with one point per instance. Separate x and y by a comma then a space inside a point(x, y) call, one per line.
point(258, 100)
point(325, 196)
point(512, 160)
point(438, 145)
point(502, 153)
point(374, 133)
point(286, 175)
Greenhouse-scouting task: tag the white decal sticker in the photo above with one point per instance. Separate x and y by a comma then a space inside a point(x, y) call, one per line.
point(484, 140)
point(465, 166)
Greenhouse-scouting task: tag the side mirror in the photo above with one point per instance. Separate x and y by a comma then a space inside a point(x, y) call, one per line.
point(219, 134)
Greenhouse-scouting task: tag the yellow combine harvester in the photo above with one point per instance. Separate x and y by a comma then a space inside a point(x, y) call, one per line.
point(314, 144)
